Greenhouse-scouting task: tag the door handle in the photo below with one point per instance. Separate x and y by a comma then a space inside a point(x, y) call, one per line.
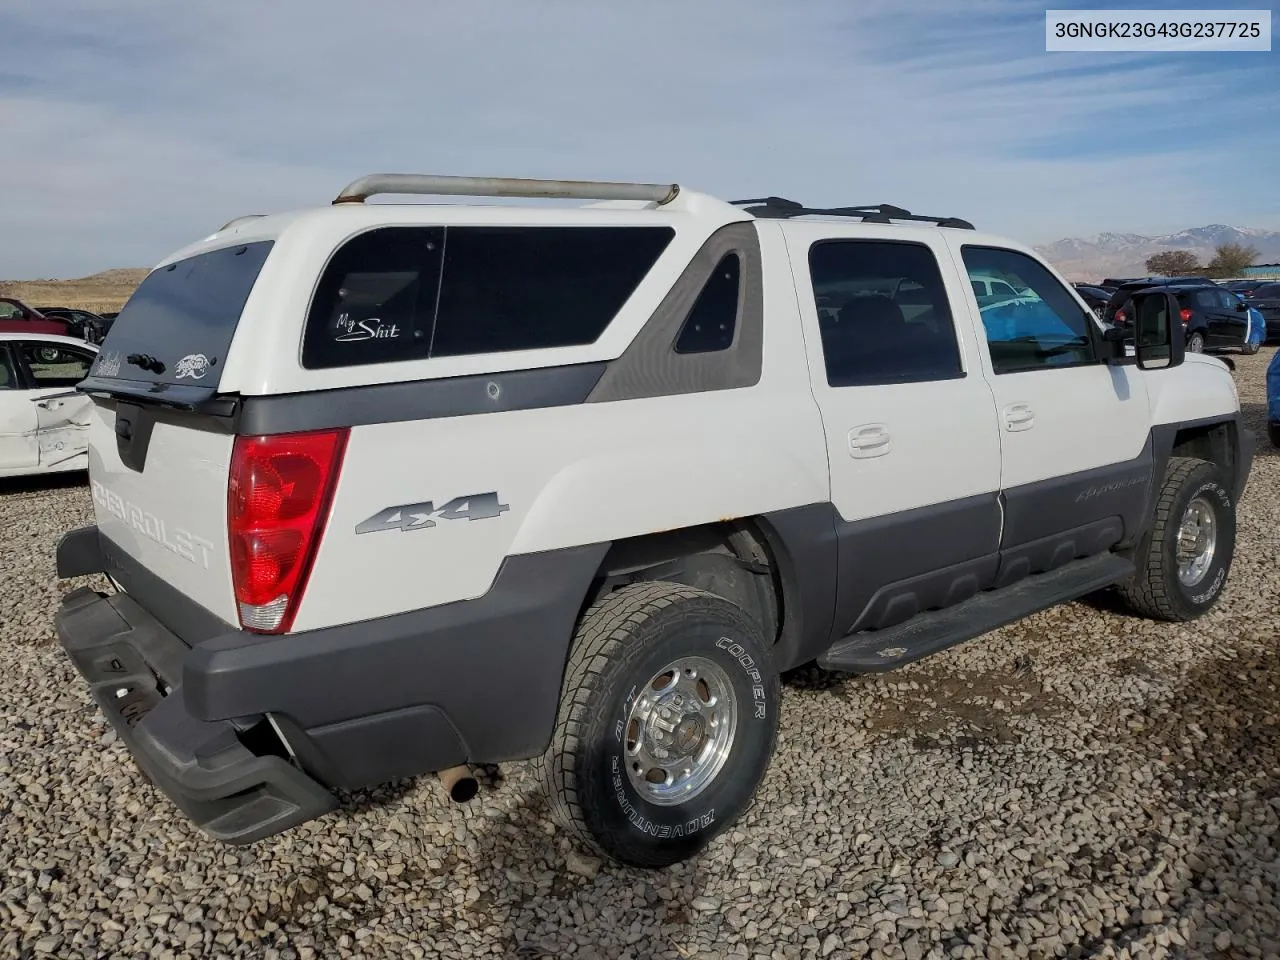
point(1019, 416)
point(871, 440)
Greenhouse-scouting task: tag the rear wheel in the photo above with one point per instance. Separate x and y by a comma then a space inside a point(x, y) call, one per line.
point(668, 719)
point(1251, 348)
point(1195, 342)
point(1185, 556)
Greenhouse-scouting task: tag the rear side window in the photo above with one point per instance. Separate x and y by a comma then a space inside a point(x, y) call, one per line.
point(183, 317)
point(409, 293)
point(883, 314)
point(710, 324)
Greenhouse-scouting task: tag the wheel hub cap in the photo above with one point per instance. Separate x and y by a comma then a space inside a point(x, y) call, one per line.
point(1197, 541)
point(680, 729)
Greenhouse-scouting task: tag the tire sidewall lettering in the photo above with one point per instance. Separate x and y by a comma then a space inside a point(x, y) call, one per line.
point(685, 822)
point(1212, 490)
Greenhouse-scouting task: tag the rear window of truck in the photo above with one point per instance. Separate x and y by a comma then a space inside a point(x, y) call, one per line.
point(179, 323)
point(409, 293)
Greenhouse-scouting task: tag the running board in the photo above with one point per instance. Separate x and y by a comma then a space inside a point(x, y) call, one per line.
point(875, 651)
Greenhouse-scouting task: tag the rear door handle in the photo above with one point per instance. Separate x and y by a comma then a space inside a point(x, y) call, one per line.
point(1019, 416)
point(869, 440)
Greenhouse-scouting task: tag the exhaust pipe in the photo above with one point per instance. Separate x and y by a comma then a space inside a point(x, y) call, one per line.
point(460, 783)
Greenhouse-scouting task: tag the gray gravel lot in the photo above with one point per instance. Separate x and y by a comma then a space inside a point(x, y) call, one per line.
point(1080, 784)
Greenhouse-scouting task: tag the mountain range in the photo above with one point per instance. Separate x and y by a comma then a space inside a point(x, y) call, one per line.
point(1125, 254)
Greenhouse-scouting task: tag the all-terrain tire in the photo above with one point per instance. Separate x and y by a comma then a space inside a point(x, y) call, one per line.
point(1156, 591)
point(625, 639)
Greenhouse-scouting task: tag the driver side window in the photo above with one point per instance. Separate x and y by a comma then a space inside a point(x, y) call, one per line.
point(1031, 320)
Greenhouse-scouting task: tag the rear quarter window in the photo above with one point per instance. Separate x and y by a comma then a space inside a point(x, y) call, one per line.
point(184, 316)
point(410, 293)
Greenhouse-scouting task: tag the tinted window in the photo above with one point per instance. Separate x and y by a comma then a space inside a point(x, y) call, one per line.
point(1043, 326)
point(1268, 291)
point(711, 322)
point(405, 293)
point(184, 315)
point(53, 365)
point(1207, 299)
point(8, 374)
point(883, 313)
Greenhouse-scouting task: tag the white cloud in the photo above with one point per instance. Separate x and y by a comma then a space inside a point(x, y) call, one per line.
point(144, 130)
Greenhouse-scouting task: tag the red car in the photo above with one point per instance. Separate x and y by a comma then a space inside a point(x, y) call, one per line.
point(17, 317)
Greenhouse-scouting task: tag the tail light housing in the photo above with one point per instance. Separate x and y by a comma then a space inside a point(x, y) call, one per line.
point(1185, 314)
point(1121, 317)
point(279, 493)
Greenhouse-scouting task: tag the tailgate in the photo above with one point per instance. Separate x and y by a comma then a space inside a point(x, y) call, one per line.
point(158, 466)
point(171, 515)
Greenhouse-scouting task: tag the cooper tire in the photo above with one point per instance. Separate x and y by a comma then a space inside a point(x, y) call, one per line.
point(1195, 342)
point(1158, 590)
point(592, 766)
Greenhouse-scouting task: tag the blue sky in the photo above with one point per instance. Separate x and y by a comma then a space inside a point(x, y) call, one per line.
point(135, 127)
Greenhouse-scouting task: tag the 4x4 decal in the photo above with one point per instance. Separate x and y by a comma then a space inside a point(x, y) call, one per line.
point(418, 516)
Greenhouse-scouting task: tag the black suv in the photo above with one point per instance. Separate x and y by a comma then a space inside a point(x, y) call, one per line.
point(1213, 318)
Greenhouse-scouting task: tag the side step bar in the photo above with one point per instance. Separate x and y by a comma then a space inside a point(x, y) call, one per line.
point(875, 651)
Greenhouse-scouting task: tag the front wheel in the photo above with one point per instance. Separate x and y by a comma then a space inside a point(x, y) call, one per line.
point(1195, 342)
point(668, 720)
point(1184, 557)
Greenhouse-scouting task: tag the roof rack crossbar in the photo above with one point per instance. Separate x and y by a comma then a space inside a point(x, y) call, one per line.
point(778, 208)
point(428, 184)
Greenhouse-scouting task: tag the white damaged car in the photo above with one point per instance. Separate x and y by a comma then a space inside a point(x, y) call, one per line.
point(43, 420)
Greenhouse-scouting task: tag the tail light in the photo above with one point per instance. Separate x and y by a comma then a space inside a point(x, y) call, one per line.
point(278, 500)
point(1121, 317)
point(1185, 314)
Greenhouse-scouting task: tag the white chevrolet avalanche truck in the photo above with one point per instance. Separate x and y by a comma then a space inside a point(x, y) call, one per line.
point(395, 488)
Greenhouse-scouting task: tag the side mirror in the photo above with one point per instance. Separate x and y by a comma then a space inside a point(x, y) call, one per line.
point(1241, 306)
point(1159, 338)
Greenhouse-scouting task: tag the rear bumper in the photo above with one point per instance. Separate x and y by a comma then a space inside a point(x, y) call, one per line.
point(131, 664)
point(249, 735)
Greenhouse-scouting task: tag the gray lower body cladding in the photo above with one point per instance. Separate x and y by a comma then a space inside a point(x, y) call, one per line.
point(473, 681)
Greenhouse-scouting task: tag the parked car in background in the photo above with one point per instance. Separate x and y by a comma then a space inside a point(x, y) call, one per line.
point(85, 324)
point(17, 317)
point(1245, 287)
point(1212, 318)
point(1266, 300)
point(44, 422)
point(1096, 297)
point(1126, 288)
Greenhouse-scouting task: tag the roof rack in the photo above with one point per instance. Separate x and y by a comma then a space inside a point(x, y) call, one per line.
point(780, 208)
point(415, 183)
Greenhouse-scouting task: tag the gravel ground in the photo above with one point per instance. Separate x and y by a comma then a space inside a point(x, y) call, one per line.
point(1079, 784)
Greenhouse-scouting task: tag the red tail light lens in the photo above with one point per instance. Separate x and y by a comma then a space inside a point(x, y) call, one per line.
point(278, 500)
point(1185, 314)
point(1121, 317)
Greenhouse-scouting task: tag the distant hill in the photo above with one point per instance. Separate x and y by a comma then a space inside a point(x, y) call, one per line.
point(1125, 254)
point(102, 292)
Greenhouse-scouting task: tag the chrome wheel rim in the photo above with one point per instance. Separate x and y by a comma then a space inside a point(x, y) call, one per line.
point(1197, 541)
point(680, 729)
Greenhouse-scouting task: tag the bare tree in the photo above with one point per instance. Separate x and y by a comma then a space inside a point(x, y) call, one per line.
point(1231, 260)
point(1173, 263)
